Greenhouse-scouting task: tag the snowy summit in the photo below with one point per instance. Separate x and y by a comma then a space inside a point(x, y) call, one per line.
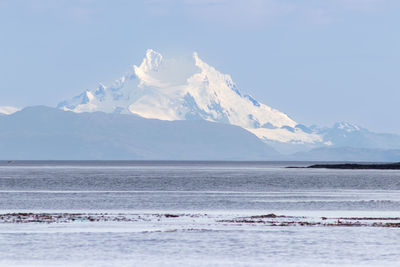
point(7, 110)
point(168, 90)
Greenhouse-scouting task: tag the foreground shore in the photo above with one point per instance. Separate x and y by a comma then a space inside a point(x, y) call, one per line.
point(176, 238)
point(270, 219)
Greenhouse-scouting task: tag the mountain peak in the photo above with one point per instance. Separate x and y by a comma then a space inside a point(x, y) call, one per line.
point(347, 126)
point(7, 110)
point(152, 60)
point(150, 63)
point(167, 89)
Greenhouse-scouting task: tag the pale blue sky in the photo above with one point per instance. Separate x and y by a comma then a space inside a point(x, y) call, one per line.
point(319, 61)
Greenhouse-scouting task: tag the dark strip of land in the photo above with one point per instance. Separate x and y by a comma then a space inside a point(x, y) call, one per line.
point(354, 166)
point(265, 220)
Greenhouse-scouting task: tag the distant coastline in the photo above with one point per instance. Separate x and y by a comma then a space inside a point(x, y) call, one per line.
point(355, 166)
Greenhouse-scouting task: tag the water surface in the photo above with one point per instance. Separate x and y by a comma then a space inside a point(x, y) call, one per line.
point(216, 188)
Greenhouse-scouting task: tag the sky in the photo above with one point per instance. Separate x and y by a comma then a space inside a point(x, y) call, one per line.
point(319, 61)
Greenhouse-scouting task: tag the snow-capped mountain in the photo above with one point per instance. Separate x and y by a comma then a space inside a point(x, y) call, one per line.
point(7, 110)
point(344, 134)
point(168, 90)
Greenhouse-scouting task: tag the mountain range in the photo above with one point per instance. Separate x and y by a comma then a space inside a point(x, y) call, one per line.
point(164, 91)
point(153, 90)
point(45, 133)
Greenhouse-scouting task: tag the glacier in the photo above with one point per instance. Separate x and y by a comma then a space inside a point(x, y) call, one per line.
point(163, 88)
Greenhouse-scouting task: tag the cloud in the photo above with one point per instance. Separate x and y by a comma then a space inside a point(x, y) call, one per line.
point(77, 10)
point(234, 13)
point(356, 5)
point(254, 13)
point(327, 12)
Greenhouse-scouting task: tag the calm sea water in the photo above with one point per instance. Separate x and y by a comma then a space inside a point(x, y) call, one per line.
point(230, 188)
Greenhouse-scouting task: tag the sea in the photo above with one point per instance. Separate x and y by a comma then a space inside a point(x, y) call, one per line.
point(190, 213)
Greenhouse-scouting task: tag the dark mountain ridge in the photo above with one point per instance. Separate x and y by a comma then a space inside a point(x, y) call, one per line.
point(44, 133)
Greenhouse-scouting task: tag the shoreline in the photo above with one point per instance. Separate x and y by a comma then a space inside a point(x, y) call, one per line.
point(353, 166)
point(269, 219)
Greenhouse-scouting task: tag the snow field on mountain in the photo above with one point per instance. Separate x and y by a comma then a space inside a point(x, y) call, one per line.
point(7, 110)
point(165, 89)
